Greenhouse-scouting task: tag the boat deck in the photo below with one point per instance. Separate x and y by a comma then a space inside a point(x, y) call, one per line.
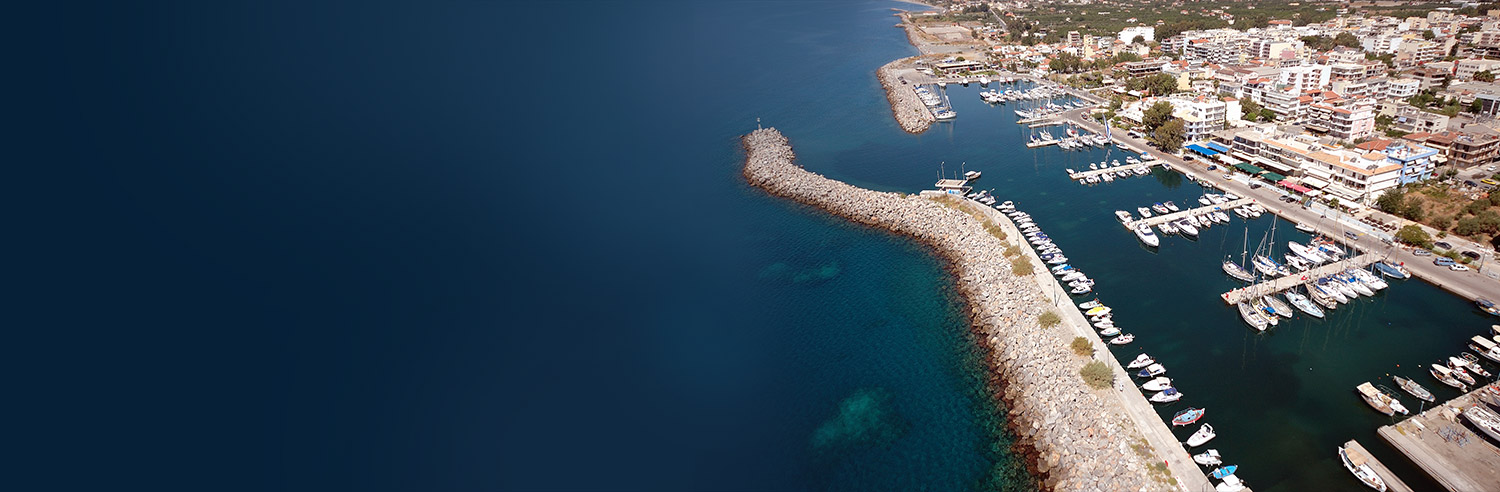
point(1158, 219)
point(1096, 172)
point(1392, 482)
point(1444, 447)
point(1273, 286)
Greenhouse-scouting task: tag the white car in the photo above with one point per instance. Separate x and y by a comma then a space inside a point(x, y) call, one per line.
point(1458, 268)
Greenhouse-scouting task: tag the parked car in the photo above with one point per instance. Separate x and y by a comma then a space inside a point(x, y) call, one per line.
point(1187, 158)
point(1458, 268)
point(1443, 245)
point(1351, 235)
point(1421, 252)
point(1442, 261)
point(1489, 168)
point(1489, 181)
point(1470, 254)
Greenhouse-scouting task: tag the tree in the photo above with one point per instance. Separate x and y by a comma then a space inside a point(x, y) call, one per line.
point(1248, 108)
point(1428, 35)
point(1347, 40)
point(1156, 115)
point(1138, 39)
point(1414, 235)
point(1267, 115)
point(1484, 76)
point(1170, 136)
point(1391, 201)
point(1161, 83)
point(1476, 106)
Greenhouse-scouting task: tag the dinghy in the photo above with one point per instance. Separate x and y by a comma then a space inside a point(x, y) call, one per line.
point(1224, 472)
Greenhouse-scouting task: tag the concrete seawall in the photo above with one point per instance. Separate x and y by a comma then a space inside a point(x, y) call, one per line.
point(910, 113)
point(1075, 437)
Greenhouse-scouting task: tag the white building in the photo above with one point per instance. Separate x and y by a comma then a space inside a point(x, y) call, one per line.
point(1305, 77)
point(1129, 33)
point(1402, 88)
point(1465, 69)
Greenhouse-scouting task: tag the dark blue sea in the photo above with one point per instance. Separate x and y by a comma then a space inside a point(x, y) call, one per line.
point(497, 246)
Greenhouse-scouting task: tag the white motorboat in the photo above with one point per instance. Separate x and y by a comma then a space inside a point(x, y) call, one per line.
point(1203, 435)
point(1109, 332)
point(1304, 227)
point(1469, 363)
point(1140, 361)
point(1485, 347)
point(1296, 262)
point(1143, 232)
point(1186, 228)
point(1240, 211)
point(1444, 375)
point(1166, 396)
point(1122, 339)
point(1208, 458)
point(972, 175)
point(1157, 384)
point(1123, 216)
point(1220, 216)
point(1486, 420)
point(1309, 254)
point(1145, 212)
point(1171, 206)
point(1167, 228)
point(1357, 464)
point(1205, 201)
point(1152, 370)
point(1230, 484)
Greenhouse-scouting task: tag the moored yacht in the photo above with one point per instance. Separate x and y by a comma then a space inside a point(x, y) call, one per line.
point(1413, 388)
point(1375, 398)
point(1143, 232)
point(1303, 304)
point(1252, 318)
point(1358, 465)
point(1237, 271)
point(1444, 375)
point(1124, 216)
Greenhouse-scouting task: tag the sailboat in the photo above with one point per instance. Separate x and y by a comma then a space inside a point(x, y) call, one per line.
point(1303, 304)
point(1237, 270)
point(1280, 308)
point(1252, 318)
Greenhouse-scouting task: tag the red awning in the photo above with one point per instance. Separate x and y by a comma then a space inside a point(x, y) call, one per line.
point(1294, 186)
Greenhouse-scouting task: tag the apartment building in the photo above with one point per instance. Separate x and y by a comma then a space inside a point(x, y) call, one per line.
point(1402, 88)
point(1465, 69)
point(1304, 77)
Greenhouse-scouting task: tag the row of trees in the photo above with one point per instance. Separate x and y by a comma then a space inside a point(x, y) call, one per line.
point(1166, 132)
point(1158, 84)
point(1325, 43)
point(1250, 111)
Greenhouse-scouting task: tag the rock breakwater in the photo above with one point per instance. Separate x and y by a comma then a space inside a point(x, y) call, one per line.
point(1075, 437)
point(910, 113)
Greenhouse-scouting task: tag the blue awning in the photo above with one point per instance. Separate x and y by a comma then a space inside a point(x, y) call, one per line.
point(1218, 147)
point(1202, 150)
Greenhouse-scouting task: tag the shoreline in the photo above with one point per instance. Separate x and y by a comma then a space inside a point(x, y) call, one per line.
point(1073, 437)
point(910, 113)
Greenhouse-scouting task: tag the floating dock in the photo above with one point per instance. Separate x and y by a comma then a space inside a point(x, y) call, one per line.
point(1095, 172)
point(1217, 207)
point(1440, 444)
point(1273, 286)
point(1392, 483)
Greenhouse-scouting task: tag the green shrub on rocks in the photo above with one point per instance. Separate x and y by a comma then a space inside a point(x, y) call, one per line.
point(1012, 251)
point(1098, 375)
point(995, 230)
point(1021, 266)
point(1048, 319)
point(1081, 345)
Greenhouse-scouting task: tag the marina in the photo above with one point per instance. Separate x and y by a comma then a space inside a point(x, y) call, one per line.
point(1082, 175)
point(1445, 446)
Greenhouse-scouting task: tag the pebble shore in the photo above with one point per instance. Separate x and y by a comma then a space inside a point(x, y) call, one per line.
point(910, 113)
point(1074, 437)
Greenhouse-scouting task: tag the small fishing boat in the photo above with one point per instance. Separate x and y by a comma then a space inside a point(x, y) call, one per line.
point(1305, 227)
point(1413, 388)
point(1470, 363)
point(1089, 304)
point(1204, 434)
point(1140, 361)
point(1457, 370)
point(1208, 458)
point(1357, 464)
point(1224, 472)
point(1488, 306)
point(1444, 375)
point(1375, 398)
point(1109, 332)
point(1486, 420)
point(1303, 304)
point(1152, 370)
point(1158, 384)
point(972, 175)
point(1122, 339)
point(1166, 396)
point(1485, 347)
point(1392, 400)
point(1188, 416)
point(1098, 311)
point(1168, 228)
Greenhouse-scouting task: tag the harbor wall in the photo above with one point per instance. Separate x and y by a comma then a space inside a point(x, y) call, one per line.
point(910, 113)
point(1074, 437)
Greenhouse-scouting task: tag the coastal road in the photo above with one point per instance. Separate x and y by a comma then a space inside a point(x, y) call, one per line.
point(1470, 284)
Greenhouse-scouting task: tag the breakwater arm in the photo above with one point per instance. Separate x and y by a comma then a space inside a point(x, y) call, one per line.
point(1076, 437)
point(910, 113)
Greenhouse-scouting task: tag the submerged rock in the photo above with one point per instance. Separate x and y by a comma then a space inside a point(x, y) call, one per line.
point(865, 418)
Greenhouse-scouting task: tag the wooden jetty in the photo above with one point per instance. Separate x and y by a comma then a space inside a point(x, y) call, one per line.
point(1440, 444)
point(1277, 285)
point(1159, 219)
point(1127, 167)
point(1392, 482)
